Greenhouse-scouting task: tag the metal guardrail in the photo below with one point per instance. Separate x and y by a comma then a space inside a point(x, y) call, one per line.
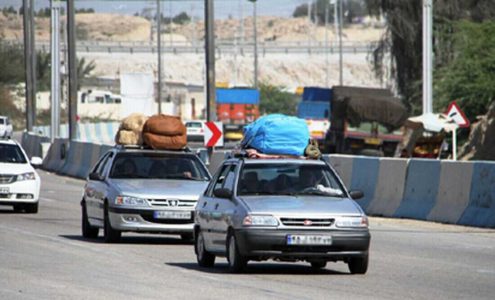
point(222, 47)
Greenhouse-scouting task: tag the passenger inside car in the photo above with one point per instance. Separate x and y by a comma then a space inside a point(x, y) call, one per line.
point(126, 168)
point(249, 183)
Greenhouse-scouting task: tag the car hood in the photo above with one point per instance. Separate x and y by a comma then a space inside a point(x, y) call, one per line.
point(157, 188)
point(301, 205)
point(9, 168)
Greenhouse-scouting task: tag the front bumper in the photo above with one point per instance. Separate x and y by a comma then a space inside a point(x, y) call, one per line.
point(26, 191)
point(143, 220)
point(272, 243)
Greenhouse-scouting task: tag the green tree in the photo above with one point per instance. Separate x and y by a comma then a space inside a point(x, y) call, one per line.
point(403, 39)
point(470, 76)
point(275, 100)
point(181, 18)
point(11, 63)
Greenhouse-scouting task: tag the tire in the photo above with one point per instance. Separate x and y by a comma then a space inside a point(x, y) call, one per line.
point(31, 208)
point(186, 237)
point(205, 259)
point(110, 235)
point(88, 231)
point(237, 262)
point(318, 264)
point(358, 265)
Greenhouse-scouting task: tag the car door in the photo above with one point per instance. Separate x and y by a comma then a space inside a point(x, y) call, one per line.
point(223, 210)
point(206, 208)
point(94, 191)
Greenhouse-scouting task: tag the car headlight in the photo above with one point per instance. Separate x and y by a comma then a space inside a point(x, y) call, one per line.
point(353, 222)
point(131, 201)
point(260, 220)
point(26, 176)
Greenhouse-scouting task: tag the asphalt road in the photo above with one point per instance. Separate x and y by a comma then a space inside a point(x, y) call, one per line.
point(43, 256)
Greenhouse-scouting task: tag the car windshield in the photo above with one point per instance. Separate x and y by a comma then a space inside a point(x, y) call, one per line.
point(11, 154)
point(288, 179)
point(158, 166)
point(2, 121)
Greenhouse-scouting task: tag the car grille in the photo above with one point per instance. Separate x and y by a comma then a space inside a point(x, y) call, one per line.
point(307, 222)
point(7, 179)
point(172, 203)
point(150, 218)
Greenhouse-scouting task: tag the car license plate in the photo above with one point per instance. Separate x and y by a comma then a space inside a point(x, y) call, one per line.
point(167, 214)
point(4, 190)
point(372, 141)
point(309, 239)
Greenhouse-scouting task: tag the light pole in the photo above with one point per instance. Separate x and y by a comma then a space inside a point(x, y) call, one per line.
point(255, 38)
point(159, 50)
point(427, 56)
point(341, 56)
point(55, 69)
point(210, 60)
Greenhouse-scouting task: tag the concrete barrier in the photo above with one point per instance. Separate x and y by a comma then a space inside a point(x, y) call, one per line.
point(389, 188)
point(342, 165)
point(481, 208)
point(420, 190)
point(364, 178)
point(453, 191)
point(31, 143)
point(55, 158)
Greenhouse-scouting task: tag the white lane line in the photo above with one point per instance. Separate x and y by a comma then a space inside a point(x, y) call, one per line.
point(485, 271)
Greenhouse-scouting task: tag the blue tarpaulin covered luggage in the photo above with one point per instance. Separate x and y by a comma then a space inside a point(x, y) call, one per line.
point(277, 134)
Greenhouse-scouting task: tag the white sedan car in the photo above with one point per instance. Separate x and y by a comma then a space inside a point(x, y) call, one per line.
point(195, 130)
point(19, 182)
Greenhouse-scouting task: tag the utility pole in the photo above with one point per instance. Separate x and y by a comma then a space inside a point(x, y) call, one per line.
point(71, 40)
point(341, 56)
point(309, 25)
point(55, 69)
point(159, 50)
point(327, 69)
point(30, 63)
point(210, 60)
point(427, 56)
point(255, 38)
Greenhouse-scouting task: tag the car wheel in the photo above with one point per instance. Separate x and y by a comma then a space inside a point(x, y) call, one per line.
point(31, 208)
point(110, 235)
point(88, 231)
point(237, 262)
point(318, 264)
point(187, 237)
point(358, 265)
point(204, 258)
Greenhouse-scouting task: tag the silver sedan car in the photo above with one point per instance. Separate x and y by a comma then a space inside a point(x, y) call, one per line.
point(142, 190)
point(281, 209)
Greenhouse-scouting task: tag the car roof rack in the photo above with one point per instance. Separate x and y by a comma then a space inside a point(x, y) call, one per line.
point(146, 147)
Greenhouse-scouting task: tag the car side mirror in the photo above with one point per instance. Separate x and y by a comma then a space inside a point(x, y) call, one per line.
point(355, 195)
point(95, 176)
point(36, 161)
point(223, 193)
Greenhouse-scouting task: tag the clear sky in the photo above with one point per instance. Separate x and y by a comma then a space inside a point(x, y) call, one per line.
point(223, 8)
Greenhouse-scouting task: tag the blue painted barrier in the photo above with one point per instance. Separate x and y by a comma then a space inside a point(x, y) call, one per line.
point(421, 189)
point(481, 207)
point(364, 178)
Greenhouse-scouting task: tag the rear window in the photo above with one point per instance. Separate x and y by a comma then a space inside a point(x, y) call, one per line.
point(288, 179)
point(11, 154)
point(158, 166)
point(2, 121)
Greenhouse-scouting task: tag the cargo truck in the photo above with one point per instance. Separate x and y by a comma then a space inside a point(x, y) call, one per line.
point(236, 107)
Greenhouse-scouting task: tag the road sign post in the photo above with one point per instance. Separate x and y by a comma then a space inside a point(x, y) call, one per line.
point(455, 114)
point(213, 134)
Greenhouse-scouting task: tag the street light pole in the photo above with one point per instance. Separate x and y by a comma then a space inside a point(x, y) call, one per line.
point(427, 56)
point(30, 63)
point(341, 56)
point(327, 69)
point(159, 50)
point(72, 64)
point(55, 69)
point(210, 60)
point(255, 38)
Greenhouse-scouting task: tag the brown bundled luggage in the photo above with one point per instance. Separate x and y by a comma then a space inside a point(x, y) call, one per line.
point(130, 130)
point(165, 132)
